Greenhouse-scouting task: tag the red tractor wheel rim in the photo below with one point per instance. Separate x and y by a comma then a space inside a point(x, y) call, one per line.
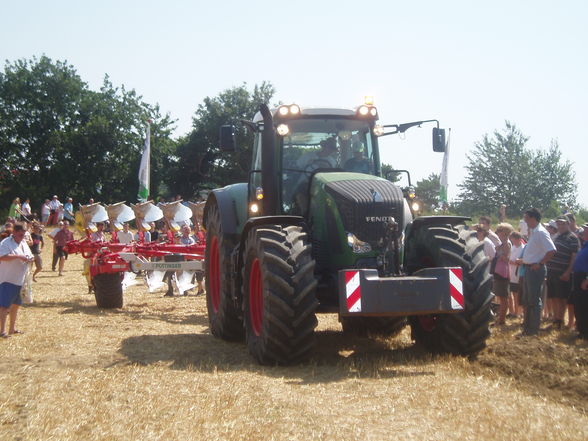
point(214, 274)
point(255, 298)
point(428, 322)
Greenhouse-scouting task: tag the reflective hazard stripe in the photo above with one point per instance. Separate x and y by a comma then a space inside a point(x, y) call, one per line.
point(353, 291)
point(456, 288)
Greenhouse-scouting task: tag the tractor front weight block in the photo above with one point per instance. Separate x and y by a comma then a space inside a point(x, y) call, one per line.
point(428, 291)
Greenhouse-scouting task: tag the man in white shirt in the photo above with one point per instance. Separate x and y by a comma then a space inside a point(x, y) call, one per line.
point(538, 251)
point(15, 255)
point(54, 207)
point(125, 236)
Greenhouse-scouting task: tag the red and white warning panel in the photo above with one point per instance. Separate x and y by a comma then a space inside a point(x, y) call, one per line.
point(353, 291)
point(456, 288)
point(427, 291)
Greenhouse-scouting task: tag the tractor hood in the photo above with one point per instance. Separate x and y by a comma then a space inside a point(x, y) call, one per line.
point(366, 204)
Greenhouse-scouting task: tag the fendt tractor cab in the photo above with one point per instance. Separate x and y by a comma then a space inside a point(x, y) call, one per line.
point(317, 229)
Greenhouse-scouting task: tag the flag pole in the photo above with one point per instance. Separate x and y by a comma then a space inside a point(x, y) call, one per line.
point(145, 168)
point(443, 180)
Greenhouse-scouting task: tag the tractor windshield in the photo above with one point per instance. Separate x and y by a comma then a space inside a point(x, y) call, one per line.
point(327, 144)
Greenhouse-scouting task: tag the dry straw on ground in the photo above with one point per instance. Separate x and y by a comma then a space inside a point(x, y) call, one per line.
point(153, 371)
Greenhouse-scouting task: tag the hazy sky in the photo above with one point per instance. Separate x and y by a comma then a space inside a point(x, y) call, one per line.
point(469, 64)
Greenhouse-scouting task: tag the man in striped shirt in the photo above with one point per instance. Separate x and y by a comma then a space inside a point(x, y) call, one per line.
point(559, 270)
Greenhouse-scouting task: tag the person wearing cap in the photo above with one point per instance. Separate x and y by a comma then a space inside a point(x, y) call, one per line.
point(551, 228)
point(538, 251)
point(580, 287)
point(54, 207)
point(559, 271)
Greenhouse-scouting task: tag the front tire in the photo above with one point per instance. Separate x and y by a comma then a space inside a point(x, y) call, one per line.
point(223, 315)
point(463, 333)
point(279, 294)
point(108, 290)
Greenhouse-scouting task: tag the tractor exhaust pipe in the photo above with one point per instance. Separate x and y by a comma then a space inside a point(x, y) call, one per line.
point(269, 177)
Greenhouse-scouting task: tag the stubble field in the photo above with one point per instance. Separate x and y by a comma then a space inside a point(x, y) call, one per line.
point(152, 370)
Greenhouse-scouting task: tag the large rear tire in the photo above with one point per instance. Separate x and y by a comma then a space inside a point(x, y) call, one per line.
point(463, 333)
point(279, 294)
point(223, 315)
point(366, 326)
point(108, 290)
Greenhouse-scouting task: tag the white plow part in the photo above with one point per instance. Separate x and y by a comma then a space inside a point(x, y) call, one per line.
point(183, 281)
point(129, 279)
point(154, 280)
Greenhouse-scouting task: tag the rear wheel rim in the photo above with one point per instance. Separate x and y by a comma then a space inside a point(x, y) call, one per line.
point(255, 298)
point(214, 274)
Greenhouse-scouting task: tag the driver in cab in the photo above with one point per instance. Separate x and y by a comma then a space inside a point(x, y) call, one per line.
point(325, 157)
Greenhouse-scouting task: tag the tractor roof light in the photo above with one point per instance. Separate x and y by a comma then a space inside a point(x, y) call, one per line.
point(365, 110)
point(283, 129)
point(289, 110)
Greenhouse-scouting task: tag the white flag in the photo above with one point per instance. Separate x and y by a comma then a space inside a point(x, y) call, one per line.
point(145, 169)
point(443, 180)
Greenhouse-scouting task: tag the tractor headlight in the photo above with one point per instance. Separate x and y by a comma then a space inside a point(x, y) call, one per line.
point(357, 245)
point(283, 129)
point(378, 130)
point(254, 208)
point(416, 206)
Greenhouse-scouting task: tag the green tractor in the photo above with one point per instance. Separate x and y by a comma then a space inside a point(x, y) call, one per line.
point(317, 229)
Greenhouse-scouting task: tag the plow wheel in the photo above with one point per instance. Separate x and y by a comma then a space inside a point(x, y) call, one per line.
point(223, 315)
point(366, 326)
point(279, 294)
point(464, 333)
point(108, 290)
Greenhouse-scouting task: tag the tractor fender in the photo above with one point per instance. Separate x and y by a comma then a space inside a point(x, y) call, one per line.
point(232, 206)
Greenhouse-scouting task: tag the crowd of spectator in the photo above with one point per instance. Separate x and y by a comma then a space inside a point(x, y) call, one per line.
point(539, 272)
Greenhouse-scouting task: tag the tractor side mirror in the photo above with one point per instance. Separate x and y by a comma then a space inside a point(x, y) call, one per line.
point(228, 142)
point(438, 140)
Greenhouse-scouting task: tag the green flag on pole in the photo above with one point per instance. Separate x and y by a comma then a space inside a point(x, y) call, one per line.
point(145, 169)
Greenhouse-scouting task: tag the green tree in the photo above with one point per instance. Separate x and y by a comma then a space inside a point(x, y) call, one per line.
point(57, 136)
point(503, 170)
point(201, 164)
point(427, 191)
